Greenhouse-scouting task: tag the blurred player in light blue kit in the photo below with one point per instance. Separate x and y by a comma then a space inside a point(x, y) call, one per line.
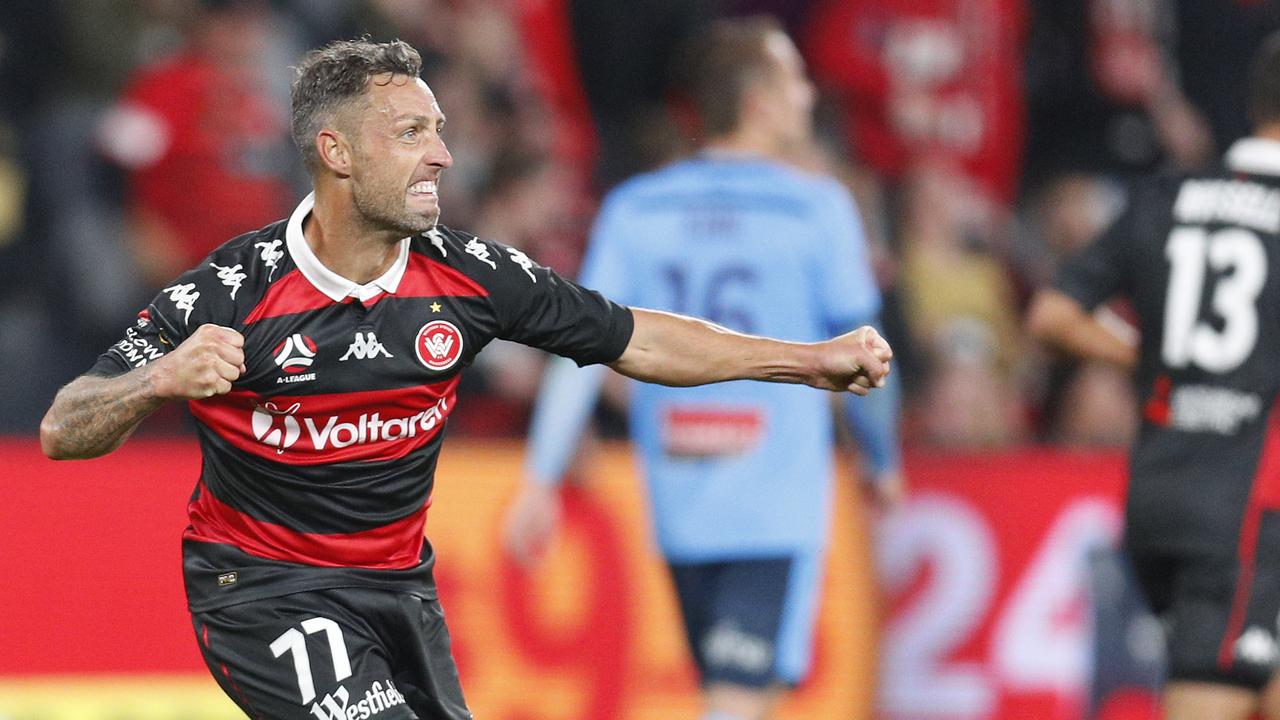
point(739, 474)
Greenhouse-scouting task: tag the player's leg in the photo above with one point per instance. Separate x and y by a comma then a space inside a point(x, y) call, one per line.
point(1188, 700)
point(726, 701)
point(1223, 647)
point(302, 656)
point(695, 584)
point(699, 589)
point(1217, 666)
point(1269, 706)
point(1262, 614)
point(750, 627)
point(423, 658)
point(1268, 585)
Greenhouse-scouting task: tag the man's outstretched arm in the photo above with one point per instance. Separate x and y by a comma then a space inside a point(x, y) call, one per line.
point(680, 351)
point(93, 415)
point(672, 350)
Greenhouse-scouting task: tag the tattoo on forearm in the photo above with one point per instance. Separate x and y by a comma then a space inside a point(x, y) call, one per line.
point(93, 415)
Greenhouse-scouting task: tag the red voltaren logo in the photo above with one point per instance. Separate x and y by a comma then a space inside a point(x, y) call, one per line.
point(295, 353)
point(439, 345)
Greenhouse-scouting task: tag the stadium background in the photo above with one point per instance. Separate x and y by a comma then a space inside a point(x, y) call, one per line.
point(983, 139)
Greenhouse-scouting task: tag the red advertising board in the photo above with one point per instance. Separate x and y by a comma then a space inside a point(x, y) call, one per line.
point(985, 571)
point(982, 571)
point(93, 625)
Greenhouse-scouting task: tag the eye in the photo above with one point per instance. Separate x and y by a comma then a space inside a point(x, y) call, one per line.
point(410, 134)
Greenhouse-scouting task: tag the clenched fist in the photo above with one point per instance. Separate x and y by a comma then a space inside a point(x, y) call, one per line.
point(204, 365)
point(856, 361)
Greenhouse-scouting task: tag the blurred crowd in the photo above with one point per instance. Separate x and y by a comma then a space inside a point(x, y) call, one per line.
point(983, 139)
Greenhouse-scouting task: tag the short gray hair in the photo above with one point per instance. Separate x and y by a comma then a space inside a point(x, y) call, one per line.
point(332, 76)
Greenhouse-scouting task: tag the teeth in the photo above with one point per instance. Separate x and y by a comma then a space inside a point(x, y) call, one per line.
point(424, 186)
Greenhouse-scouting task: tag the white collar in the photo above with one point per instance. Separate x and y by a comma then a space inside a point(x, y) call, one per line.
point(1259, 156)
point(327, 281)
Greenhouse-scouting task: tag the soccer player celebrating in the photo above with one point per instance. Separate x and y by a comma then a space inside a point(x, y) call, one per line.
point(321, 357)
point(1199, 257)
point(739, 474)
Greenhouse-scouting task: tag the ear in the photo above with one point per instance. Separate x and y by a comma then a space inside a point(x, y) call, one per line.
point(335, 151)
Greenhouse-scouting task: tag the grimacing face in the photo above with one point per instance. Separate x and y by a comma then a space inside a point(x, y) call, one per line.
point(399, 155)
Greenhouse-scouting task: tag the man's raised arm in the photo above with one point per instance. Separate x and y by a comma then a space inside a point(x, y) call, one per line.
point(680, 351)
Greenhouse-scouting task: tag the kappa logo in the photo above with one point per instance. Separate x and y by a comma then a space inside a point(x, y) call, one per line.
point(1257, 646)
point(480, 251)
point(365, 347)
point(184, 297)
point(437, 240)
point(230, 276)
point(524, 262)
point(439, 345)
point(295, 353)
point(271, 255)
point(276, 427)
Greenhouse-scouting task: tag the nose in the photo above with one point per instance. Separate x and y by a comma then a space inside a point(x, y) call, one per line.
point(438, 154)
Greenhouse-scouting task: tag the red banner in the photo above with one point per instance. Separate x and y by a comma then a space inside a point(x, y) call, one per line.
point(91, 561)
point(985, 569)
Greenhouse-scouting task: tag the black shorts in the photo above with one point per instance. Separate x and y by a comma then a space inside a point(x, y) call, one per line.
point(334, 655)
point(1220, 612)
point(750, 622)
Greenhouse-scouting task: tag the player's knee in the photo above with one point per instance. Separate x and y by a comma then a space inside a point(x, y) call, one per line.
point(1269, 704)
point(719, 715)
point(1194, 700)
point(728, 701)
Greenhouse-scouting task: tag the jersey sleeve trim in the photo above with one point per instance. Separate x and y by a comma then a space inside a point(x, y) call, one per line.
point(622, 325)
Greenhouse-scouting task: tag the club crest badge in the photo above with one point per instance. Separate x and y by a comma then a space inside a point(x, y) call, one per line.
point(439, 345)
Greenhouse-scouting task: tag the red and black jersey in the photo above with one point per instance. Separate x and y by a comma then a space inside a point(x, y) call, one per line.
point(322, 456)
point(1199, 258)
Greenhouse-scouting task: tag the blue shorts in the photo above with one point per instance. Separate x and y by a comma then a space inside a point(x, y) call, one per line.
point(750, 622)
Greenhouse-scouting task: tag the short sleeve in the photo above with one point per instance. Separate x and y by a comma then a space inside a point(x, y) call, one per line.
point(144, 342)
point(848, 291)
point(185, 304)
point(535, 306)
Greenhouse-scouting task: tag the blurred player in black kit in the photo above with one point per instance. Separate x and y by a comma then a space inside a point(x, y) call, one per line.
point(1199, 259)
point(321, 356)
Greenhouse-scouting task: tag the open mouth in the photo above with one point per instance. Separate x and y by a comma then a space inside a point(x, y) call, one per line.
point(423, 188)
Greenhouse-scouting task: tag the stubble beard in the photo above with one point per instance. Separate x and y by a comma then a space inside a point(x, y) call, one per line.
point(378, 208)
